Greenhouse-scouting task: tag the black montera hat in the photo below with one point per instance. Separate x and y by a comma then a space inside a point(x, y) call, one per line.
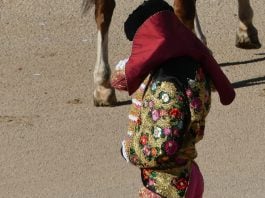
point(141, 13)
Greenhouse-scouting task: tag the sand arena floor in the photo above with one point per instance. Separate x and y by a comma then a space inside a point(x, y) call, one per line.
point(55, 144)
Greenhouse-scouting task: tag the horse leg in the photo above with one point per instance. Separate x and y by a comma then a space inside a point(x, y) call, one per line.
point(185, 10)
point(104, 94)
point(247, 35)
point(198, 30)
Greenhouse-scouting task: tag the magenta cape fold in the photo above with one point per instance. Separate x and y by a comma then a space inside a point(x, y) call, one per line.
point(162, 37)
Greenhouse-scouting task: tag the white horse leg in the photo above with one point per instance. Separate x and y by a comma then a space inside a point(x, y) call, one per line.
point(104, 94)
point(247, 35)
point(198, 30)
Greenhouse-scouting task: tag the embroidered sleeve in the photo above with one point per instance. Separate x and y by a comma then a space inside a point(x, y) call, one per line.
point(118, 81)
point(163, 121)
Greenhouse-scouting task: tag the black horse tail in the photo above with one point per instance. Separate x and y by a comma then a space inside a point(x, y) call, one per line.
point(86, 5)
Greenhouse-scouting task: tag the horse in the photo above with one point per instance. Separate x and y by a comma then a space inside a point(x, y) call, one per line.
point(185, 10)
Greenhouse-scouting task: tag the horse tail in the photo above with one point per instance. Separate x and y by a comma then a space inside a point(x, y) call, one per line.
point(86, 5)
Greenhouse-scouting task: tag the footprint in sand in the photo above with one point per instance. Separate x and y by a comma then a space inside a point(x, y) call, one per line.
point(27, 120)
point(75, 101)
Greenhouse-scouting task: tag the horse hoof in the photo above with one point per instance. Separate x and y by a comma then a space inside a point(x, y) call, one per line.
point(247, 39)
point(105, 97)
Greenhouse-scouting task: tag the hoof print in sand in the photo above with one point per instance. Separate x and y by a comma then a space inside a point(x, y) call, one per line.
point(75, 101)
point(25, 120)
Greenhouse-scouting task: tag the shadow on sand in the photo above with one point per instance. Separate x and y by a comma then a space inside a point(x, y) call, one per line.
point(122, 103)
point(249, 82)
point(243, 62)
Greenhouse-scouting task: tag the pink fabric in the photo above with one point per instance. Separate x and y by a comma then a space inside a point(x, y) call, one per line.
point(161, 37)
point(196, 185)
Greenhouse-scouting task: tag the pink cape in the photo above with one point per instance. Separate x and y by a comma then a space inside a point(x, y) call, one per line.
point(161, 37)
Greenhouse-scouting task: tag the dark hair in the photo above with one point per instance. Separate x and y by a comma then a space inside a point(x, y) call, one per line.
point(141, 13)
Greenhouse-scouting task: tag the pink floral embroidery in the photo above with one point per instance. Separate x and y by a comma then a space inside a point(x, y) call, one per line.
point(171, 147)
point(189, 93)
point(151, 182)
point(155, 115)
point(144, 193)
point(167, 131)
point(196, 103)
point(163, 113)
point(151, 104)
point(147, 150)
point(181, 184)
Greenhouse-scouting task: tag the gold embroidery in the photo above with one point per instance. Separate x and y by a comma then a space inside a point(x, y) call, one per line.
point(169, 124)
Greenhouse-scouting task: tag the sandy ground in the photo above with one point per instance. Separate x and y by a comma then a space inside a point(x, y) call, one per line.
point(55, 144)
